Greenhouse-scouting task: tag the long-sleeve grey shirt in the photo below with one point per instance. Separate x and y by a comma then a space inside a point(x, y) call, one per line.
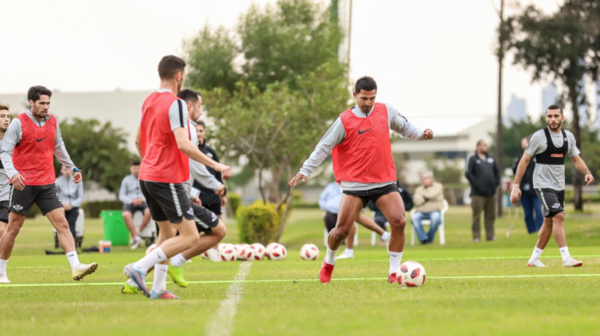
point(4, 182)
point(69, 191)
point(13, 137)
point(337, 134)
point(130, 189)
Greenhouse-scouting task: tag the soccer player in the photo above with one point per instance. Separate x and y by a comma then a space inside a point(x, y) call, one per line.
point(163, 141)
point(4, 182)
point(28, 149)
point(133, 200)
point(550, 146)
point(363, 164)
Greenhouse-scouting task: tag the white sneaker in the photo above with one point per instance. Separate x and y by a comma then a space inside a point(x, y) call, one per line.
point(535, 263)
point(4, 279)
point(135, 243)
point(215, 255)
point(345, 255)
point(572, 263)
point(385, 237)
point(82, 270)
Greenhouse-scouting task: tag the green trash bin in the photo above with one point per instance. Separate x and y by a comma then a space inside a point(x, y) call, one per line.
point(114, 227)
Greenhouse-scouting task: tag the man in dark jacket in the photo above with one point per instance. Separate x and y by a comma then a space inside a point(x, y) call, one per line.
point(529, 200)
point(484, 176)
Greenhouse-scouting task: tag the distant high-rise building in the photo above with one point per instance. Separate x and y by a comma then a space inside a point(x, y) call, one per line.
point(549, 96)
point(516, 109)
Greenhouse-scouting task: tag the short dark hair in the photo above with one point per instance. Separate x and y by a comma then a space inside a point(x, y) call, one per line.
point(480, 142)
point(35, 92)
point(169, 66)
point(365, 83)
point(189, 95)
point(201, 123)
point(3, 107)
point(554, 107)
point(135, 163)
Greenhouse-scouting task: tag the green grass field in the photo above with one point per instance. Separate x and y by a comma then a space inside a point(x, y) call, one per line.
point(471, 289)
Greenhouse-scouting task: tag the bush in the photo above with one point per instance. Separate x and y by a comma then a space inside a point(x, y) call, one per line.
point(93, 209)
point(258, 223)
point(234, 201)
point(305, 205)
point(273, 206)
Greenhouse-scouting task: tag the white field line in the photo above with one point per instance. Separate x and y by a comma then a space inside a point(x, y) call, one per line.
point(222, 323)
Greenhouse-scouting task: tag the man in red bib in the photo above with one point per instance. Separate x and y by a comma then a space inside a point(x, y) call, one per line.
point(163, 141)
point(30, 144)
point(363, 164)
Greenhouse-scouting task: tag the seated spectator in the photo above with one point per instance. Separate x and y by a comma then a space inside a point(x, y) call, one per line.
point(428, 200)
point(133, 200)
point(329, 201)
point(71, 195)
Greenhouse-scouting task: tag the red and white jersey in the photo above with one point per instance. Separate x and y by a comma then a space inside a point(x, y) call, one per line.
point(33, 157)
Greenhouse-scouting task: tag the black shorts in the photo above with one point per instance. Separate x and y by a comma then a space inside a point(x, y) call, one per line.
point(553, 201)
point(167, 201)
point(45, 196)
point(214, 207)
point(132, 208)
point(330, 220)
point(4, 209)
point(205, 220)
point(373, 194)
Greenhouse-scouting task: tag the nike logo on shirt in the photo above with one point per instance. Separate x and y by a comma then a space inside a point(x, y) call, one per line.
point(365, 131)
point(38, 140)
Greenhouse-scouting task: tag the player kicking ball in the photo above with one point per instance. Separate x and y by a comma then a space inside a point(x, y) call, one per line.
point(550, 146)
point(363, 164)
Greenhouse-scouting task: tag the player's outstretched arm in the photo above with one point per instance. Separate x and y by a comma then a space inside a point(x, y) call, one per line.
point(294, 181)
point(187, 147)
point(402, 126)
point(582, 168)
point(515, 194)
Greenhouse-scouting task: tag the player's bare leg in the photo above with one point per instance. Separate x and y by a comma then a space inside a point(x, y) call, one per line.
point(2, 229)
point(558, 229)
point(392, 207)
point(544, 236)
point(206, 241)
point(15, 222)
point(214, 254)
point(146, 219)
point(349, 251)
point(350, 206)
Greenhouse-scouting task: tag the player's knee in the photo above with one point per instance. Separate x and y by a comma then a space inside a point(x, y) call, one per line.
point(220, 231)
point(558, 218)
point(398, 223)
point(127, 215)
point(343, 231)
point(193, 239)
point(13, 230)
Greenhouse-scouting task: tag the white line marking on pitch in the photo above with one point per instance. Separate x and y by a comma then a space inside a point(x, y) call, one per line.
point(222, 323)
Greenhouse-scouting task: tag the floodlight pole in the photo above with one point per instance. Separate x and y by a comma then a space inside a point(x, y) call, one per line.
point(499, 128)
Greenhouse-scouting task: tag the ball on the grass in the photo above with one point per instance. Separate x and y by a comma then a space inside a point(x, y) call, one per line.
point(228, 253)
point(268, 250)
point(277, 252)
point(150, 248)
point(250, 253)
point(241, 251)
point(309, 252)
point(259, 251)
point(411, 274)
point(206, 254)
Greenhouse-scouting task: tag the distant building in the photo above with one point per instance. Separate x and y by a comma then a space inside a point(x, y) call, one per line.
point(549, 96)
point(516, 110)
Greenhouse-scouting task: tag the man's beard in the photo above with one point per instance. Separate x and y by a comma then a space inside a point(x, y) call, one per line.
point(556, 127)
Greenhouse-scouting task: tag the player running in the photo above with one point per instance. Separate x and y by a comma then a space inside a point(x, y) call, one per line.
point(4, 182)
point(163, 141)
point(550, 146)
point(28, 149)
point(363, 163)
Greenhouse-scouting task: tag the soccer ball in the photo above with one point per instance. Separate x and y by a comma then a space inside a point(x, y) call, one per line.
point(206, 254)
point(268, 250)
point(259, 251)
point(150, 248)
point(241, 251)
point(228, 253)
point(277, 252)
point(309, 252)
point(411, 274)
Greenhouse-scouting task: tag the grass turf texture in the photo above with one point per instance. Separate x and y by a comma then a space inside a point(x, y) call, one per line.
point(501, 304)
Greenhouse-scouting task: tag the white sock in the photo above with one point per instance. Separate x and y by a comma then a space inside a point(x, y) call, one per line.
point(349, 251)
point(395, 259)
point(564, 253)
point(160, 278)
point(73, 259)
point(131, 282)
point(385, 236)
point(537, 253)
point(150, 260)
point(330, 256)
point(3, 266)
point(178, 260)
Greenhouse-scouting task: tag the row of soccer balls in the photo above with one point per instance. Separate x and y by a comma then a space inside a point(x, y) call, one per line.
point(257, 251)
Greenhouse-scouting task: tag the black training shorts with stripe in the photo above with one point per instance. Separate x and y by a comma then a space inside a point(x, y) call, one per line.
point(167, 201)
point(205, 219)
point(553, 201)
point(4, 209)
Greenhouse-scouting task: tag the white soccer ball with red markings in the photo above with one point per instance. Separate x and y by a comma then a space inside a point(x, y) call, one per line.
point(268, 250)
point(259, 251)
point(309, 252)
point(206, 254)
point(228, 253)
point(241, 251)
point(150, 248)
point(277, 252)
point(411, 274)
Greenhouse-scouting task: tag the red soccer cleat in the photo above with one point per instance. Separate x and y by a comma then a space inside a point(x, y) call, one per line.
point(326, 272)
point(393, 278)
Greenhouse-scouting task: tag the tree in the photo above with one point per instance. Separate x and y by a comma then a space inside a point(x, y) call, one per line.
point(563, 46)
point(513, 135)
point(98, 150)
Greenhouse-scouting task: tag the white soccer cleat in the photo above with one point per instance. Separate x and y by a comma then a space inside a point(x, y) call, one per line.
point(135, 243)
point(82, 270)
point(572, 263)
point(4, 279)
point(535, 263)
point(345, 255)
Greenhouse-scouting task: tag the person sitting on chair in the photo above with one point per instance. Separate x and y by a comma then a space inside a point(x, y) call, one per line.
point(133, 200)
point(428, 200)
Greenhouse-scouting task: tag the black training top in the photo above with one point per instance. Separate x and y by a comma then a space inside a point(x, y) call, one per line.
point(553, 155)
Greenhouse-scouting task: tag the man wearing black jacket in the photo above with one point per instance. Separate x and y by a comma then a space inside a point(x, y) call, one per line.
point(484, 176)
point(532, 206)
